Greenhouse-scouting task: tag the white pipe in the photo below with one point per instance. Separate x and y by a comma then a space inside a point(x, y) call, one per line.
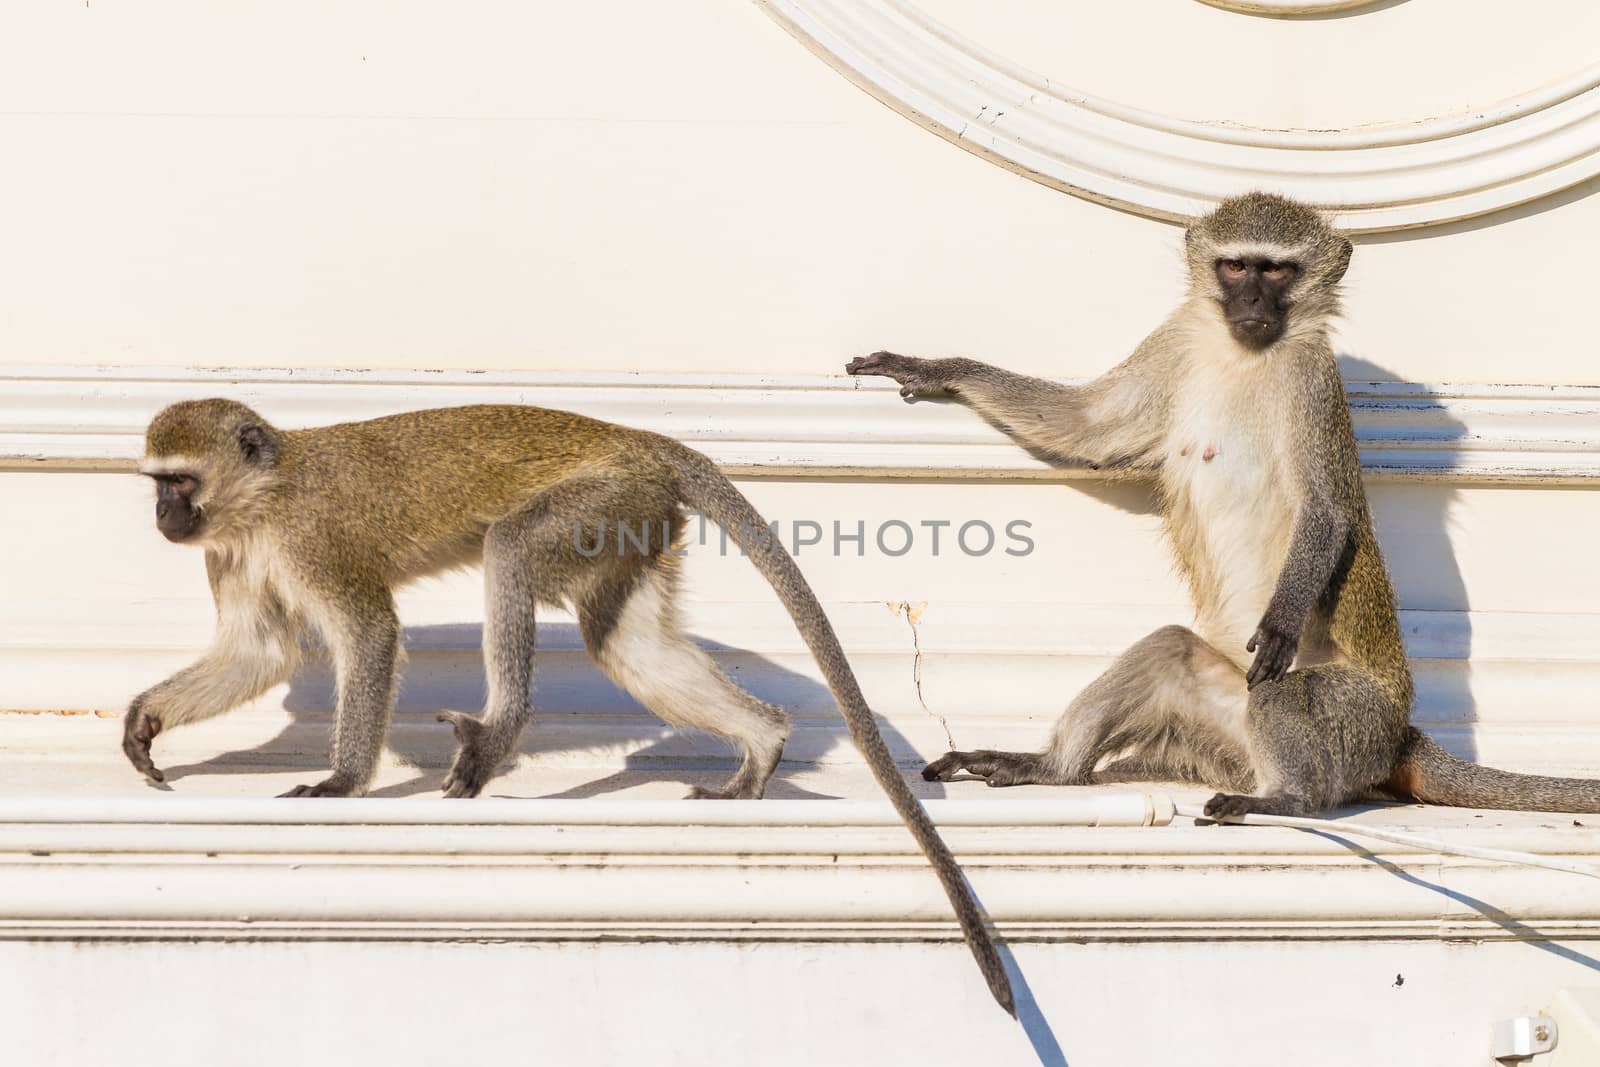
point(1099, 809)
point(1399, 837)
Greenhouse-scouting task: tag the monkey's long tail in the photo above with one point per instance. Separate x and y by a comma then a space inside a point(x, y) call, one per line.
point(705, 488)
point(1433, 776)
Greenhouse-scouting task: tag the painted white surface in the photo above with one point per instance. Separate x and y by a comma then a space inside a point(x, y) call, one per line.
point(1577, 1013)
point(854, 1004)
point(401, 941)
point(653, 191)
point(540, 189)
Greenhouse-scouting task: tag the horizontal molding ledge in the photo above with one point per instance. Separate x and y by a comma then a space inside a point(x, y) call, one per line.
point(1372, 178)
point(93, 419)
point(748, 871)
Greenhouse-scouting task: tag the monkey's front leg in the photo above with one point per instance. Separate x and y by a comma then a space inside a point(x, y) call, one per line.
point(366, 654)
point(230, 674)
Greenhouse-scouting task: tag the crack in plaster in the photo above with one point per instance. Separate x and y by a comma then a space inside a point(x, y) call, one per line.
point(913, 615)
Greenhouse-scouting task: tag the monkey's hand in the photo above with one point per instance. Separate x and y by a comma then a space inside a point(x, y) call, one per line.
point(138, 730)
point(917, 377)
point(1275, 644)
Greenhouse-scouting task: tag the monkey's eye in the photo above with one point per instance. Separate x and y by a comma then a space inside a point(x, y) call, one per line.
point(1279, 272)
point(182, 483)
point(1233, 267)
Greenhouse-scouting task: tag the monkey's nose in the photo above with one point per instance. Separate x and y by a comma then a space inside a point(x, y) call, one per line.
point(162, 508)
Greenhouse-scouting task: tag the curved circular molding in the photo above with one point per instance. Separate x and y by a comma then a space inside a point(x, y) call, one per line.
point(1377, 178)
point(1288, 7)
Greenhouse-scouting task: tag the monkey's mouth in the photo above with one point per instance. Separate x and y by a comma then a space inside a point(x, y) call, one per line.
point(1256, 333)
point(179, 527)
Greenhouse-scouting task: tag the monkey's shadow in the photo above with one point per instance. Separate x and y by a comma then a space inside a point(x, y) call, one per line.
point(579, 716)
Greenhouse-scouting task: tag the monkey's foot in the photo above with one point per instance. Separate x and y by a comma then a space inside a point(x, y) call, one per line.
point(997, 768)
point(138, 730)
point(328, 787)
point(1224, 805)
point(700, 792)
point(470, 771)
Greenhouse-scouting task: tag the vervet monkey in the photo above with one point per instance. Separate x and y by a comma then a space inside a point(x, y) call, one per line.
point(1291, 691)
point(314, 529)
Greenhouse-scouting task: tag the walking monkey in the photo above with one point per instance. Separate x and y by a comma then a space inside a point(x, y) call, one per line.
point(314, 529)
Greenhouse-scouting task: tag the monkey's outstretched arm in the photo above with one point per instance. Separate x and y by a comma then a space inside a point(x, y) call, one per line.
point(1119, 419)
point(1322, 464)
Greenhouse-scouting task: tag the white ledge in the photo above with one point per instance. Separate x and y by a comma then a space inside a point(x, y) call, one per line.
point(94, 418)
point(1081, 809)
point(749, 871)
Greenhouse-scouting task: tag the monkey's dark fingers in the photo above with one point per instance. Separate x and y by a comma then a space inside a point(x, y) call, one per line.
point(1273, 659)
point(946, 766)
point(328, 787)
point(138, 731)
point(139, 755)
point(877, 363)
point(1260, 667)
point(886, 365)
point(459, 786)
point(1224, 805)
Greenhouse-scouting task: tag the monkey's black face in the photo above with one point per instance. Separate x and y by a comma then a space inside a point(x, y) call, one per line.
point(1255, 298)
point(176, 516)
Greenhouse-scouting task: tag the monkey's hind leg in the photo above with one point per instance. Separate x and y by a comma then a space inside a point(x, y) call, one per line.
point(1171, 699)
point(630, 625)
point(1317, 737)
point(510, 599)
point(996, 768)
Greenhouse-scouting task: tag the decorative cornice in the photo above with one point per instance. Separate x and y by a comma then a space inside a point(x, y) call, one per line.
point(93, 418)
point(745, 871)
point(1288, 7)
point(1377, 178)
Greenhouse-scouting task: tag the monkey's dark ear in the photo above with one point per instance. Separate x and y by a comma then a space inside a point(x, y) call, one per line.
point(257, 445)
point(1341, 260)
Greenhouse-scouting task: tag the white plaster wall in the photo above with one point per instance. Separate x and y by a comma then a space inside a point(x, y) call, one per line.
point(683, 186)
point(1403, 1002)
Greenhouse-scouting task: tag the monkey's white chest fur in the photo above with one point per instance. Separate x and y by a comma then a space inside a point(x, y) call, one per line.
point(1229, 511)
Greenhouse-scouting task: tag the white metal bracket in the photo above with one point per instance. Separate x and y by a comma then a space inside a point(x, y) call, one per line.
point(1524, 1037)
